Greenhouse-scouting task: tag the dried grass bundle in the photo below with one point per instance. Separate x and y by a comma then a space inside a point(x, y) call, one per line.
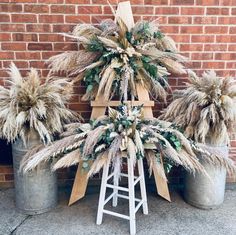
point(112, 59)
point(123, 132)
point(29, 103)
point(206, 110)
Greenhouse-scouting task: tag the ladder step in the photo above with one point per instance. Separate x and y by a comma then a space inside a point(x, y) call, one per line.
point(126, 175)
point(138, 206)
point(127, 197)
point(116, 214)
point(117, 187)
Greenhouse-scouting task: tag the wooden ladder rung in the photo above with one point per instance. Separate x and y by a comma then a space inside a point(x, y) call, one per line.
point(137, 180)
point(115, 103)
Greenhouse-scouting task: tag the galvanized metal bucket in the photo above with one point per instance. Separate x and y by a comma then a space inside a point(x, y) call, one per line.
point(206, 192)
point(35, 191)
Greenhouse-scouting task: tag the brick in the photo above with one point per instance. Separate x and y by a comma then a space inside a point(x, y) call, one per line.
point(156, 2)
point(4, 18)
point(216, 29)
point(51, 1)
point(24, 1)
point(33, 8)
point(10, 7)
point(51, 18)
point(6, 169)
point(5, 36)
point(90, 10)
point(204, 20)
point(27, 55)
point(207, 2)
point(215, 47)
point(191, 29)
point(191, 47)
point(202, 56)
point(78, 19)
point(166, 10)
point(64, 9)
point(39, 46)
point(14, 46)
point(65, 46)
point(179, 20)
point(226, 38)
point(181, 38)
point(38, 64)
point(227, 2)
point(62, 28)
point(192, 11)
point(227, 20)
point(233, 11)
point(9, 177)
point(23, 18)
point(19, 64)
point(24, 37)
point(169, 29)
point(51, 38)
point(213, 65)
point(12, 27)
point(225, 56)
point(47, 54)
point(217, 11)
point(232, 48)
point(143, 10)
point(232, 30)
point(2, 177)
point(230, 65)
point(81, 2)
point(38, 28)
point(181, 2)
point(202, 38)
point(6, 55)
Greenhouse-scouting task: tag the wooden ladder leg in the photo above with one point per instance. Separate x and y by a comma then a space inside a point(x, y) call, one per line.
point(115, 190)
point(132, 219)
point(102, 195)
point(143, 187)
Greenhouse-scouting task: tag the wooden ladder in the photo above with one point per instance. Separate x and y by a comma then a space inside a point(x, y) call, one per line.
point(99, 107)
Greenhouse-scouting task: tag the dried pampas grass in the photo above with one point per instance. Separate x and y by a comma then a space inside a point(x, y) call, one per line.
point(33, 103)
point(206, 110)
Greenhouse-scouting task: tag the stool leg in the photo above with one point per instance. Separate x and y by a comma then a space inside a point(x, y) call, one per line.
point(142, 186)
point(131, 197)
point(102, 195)
point(115, 183)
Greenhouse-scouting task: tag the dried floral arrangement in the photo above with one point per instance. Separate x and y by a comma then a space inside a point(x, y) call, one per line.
point(112, 59)
point(123, 132)
point(206, 110)
point(33, 103)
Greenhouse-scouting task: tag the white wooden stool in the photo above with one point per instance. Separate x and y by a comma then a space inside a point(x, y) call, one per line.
point(132, 181)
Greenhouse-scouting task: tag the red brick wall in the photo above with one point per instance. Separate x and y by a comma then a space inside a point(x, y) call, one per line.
point(204, 30)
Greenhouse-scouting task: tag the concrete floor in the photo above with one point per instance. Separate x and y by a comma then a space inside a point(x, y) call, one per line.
point(176, 218)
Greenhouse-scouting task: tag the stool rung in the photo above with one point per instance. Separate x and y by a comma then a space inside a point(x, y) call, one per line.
point(138, 206)
point(127, 197)
point(137, 180)
point(109, 198)
point(116, 214)
point(126, 175)
point(112, 174)
point(117, 187)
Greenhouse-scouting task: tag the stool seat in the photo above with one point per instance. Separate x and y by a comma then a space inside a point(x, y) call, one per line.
point(132, 182)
